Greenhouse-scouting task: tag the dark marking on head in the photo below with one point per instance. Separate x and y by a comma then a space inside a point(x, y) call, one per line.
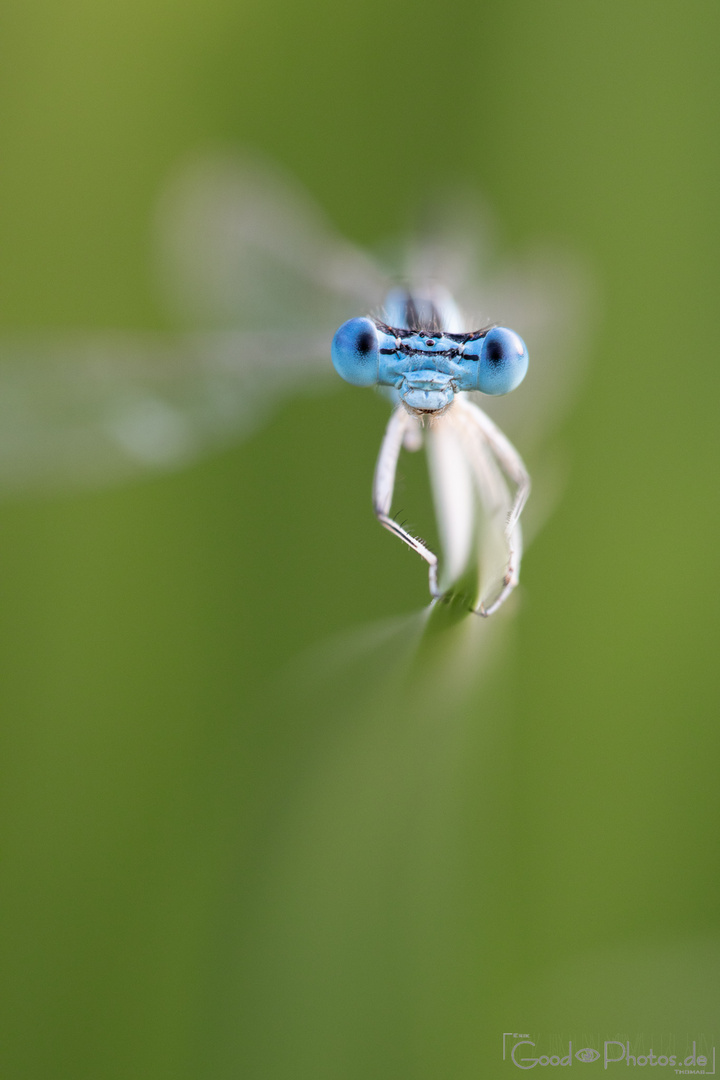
point(462, 340)
point(409, 350)
point(470, 335)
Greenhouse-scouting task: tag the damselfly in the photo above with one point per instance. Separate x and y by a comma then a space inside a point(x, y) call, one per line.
point(261, 282)
point(421, 352)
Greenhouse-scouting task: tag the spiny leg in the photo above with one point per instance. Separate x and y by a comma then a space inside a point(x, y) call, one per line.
point(506, 454)
point(512, 465)
point(491, 487)
point(399, 425)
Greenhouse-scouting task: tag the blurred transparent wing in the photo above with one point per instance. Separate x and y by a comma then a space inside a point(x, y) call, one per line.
point(89, 410)
point(548, 298)
point(545, 295)
point(251, 261)
point(243, 245)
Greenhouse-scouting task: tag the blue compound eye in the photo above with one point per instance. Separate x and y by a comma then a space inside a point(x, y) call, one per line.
point(503, 361)
point(355, 352)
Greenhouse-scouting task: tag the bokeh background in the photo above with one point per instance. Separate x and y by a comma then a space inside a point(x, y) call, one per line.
point(229, 847)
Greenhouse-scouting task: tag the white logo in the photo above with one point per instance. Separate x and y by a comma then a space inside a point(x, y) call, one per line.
point(520, 1051)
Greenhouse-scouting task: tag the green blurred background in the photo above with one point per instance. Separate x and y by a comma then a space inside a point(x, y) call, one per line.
point(221, 858)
